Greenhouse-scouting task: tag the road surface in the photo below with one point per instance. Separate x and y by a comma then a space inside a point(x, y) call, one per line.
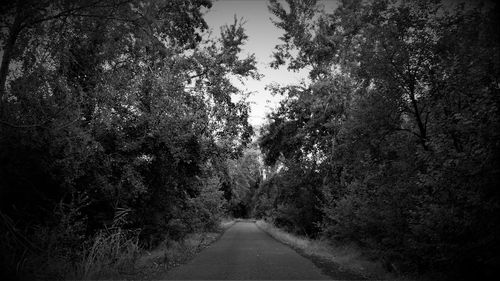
point(246, 252)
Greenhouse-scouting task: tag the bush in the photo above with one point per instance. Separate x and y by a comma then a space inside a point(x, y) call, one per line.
point(205, 211)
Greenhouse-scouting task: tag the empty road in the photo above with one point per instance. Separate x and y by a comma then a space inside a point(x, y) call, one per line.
point(246, 252)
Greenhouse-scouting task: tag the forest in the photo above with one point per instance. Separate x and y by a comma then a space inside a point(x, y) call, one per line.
point(121, 124)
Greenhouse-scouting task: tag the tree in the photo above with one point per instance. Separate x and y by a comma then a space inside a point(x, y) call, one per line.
point(122, 105)
point(245, 174)
point(402, 102)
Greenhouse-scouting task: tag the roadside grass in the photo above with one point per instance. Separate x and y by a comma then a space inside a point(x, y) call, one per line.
point(113, 253)
point(346, 260)
point(106, 254)
point(226, 223)
point(169, 254)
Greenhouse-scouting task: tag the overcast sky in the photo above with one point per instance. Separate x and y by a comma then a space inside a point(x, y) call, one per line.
point(262, 37)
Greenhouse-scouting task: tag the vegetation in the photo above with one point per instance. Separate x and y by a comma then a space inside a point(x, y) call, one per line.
point(393, 143)
point(344, 261)
point(120, 131)
point(116, 123)
point(246, 176)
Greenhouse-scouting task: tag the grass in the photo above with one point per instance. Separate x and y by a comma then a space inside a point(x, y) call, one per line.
point(113, 253)
point(226, 223)
point(110, 252)
point(345, 260)
point(153, 264)
point(172, 253)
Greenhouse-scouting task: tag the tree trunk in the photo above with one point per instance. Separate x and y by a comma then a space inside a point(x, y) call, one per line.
point(418, 118)
point(7, 57)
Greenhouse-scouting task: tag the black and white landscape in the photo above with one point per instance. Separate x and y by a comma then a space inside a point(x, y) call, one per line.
point(249, 139)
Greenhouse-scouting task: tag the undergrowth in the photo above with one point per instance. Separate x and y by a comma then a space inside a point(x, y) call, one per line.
point(348, 257)
point(62, 252)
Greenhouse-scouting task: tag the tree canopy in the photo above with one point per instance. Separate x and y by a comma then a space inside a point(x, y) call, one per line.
point(115, 111)
point(397, 130)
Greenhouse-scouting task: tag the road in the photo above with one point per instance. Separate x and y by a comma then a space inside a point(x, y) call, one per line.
point(246, 252)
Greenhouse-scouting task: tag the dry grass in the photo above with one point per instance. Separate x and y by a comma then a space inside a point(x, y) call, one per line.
point(226, 223)
point(112, 252)
point(347, 257)
point(113, 256)
point(173, 253)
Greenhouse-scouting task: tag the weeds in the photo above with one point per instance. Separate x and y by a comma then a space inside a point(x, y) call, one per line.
point(347, 257)
point(112, 252)
point(62, 251)
point(172, 253)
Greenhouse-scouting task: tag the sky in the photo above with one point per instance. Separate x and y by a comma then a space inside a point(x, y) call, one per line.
point(263, 35)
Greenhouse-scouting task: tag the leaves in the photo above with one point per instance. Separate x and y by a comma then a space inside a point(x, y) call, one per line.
point(126, 101)
point(398, 122)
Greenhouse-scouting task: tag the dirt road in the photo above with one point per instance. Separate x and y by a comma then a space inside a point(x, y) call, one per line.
point(246, 252)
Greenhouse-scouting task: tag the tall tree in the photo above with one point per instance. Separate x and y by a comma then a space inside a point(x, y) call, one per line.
point(112, 108)
point(403, 101)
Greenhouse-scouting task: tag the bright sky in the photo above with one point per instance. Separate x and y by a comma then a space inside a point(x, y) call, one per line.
point(263, 35)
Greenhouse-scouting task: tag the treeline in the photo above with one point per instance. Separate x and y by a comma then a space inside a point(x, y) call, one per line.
point(393, 143)
point(116, 123)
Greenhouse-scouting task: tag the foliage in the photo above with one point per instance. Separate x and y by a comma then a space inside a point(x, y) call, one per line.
point(206, 210)
point(245, 174)
point(290, 199)
point(127, 104)
point(400, 126)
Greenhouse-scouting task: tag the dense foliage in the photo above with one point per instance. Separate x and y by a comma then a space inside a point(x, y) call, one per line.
point(394, 141)
point(245, 174)
point(115, 116)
